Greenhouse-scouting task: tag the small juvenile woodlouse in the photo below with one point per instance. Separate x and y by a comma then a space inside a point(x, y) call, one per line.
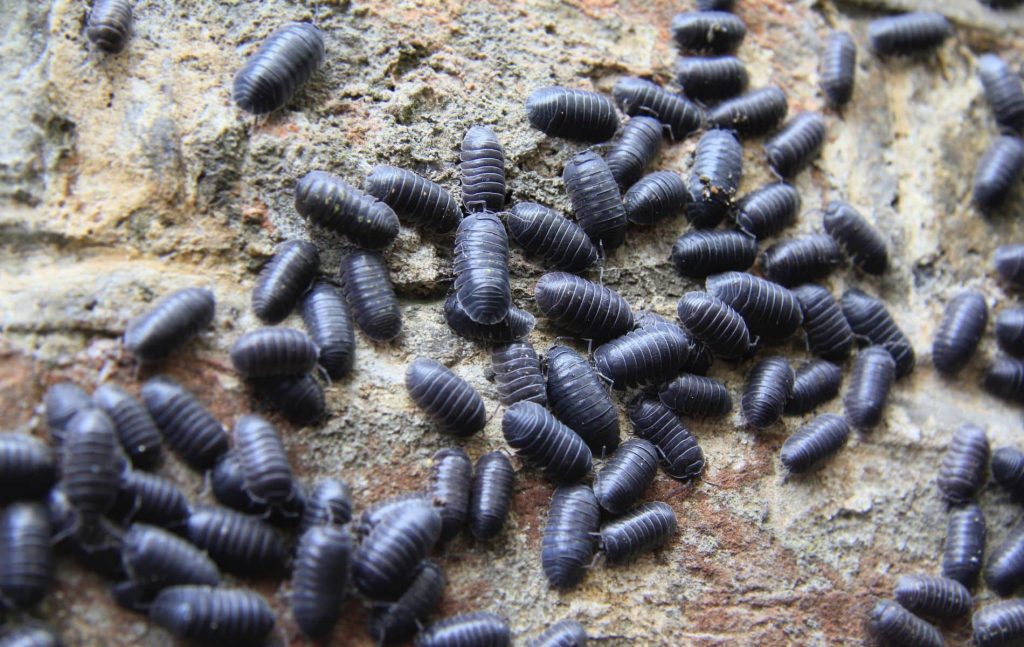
point(638, 143)
point(559, 241)
point(574, 114)
point(569, 541)
point(869, 318)
point(283, 63)
point(583, 307)
point(644, 528)
point(797, 260)
point(998, 172)
point(385, 562)
point(998, 624)
point(334, 204)
point(838, 67)
point(421, 202)
point(595, 199)
point(299, 398)
point(1009, 262)
point(474, 628)
point(767, 210)
point(870, 382)
point(657, 196)
point(451, 476)
point(110, 24)
point(28, 467)
point(963, 323)
point(796, 145)
point(269, 352)
point(828, 333)
point(320, 579)
point(752, 114)
point(138, 433)
point(482, 166)
point(149, 498)
point(329, 323)
point(769, 309)
point(933, 596)
point(240, 544)
point(491, 494)
point(908, 33)
point(263, 460)
point(482, 283)
point(965, 543)
point(626, 475)
point(636, 96)
point(283, 280)
point(169, 324)
point(445, 397)
point(564, 633)
point(1008, 470)
point(62, 402)
point(647, 355)
point(214, 615)
point(155, 559)
point(712, 32)
point(891, 624)
point(681, 456)
point(814, 442)
point(1004, 570)
point(1010, 331)
point(768, 388)
point(711, 78)
point(368, 291)
point(714, 178)
point(185, 424)
point(541, 439)
point(29, 636)
point(329, 503)
point(26, 556)
point(856, 237)
point(696, 396)
point(517, 324)
point(579, 398)
point(399, 621)
point(1004, 91)
point(698, 253)
point(517, 374)
point(715, 324)
point(92, 463)
point(817, 382)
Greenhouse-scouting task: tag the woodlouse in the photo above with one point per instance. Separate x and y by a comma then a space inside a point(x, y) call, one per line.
point(564, 633)
point(91, 465)
point(626, 475)
point(681, 456)
point(490, 495)
point(1009, 262)
point(714, 178)
point(998, 172)
point(284, 62)
point(517, 374)
point(696, 396)
point(713, 32)
point(644, 528)
point(1004, 91)
point(998, 624)
point(595, 199)
point(62, 402)
point(283, 280)
point(329, 323)
point(110, 24)
point(647, 356)
point(579, 398)
point(636, 96)
point(445, 397)
point(960, 330)
point(475, 628)
point(320, 578)
point(28, 467)
point(638, 143)
point(559, 241)
point(419, 201)
point(891, 624)
point(517, 324)
point(965, 543)
point(932, 595)
point(583, 307)
point(330, 202)
point(26, 556)
point(155, 559)
point(263, 460)
point(482, 166)
point(814, 442)
point(451, 476)
point(385, 562)
point(752, 114)
point(329, 503)
point(711, 78)
point(796, 145)
point(152, 499)
point(715, 5)
point(696, 254)
point(399, 621)
point(368, 291)
point(542, 440)
point(657, 196)
point(269, 352)
point(568, 545)
point(767, 210)
point(138, 433)
point(299, 398)
point(216, 615)
point(1008, 470)
point(1004, 570)
point(715, 324)
point(838, 68)
point(169, 324)
point(817, 382)
point(856, 237)
point(375, 514)
point(574, 114)
point(240, 544)
point(828, 333)
point(482, 283)
point(769, 309)
point(768, 388)
point(794, 261)
point(869, 318)
point(1010, 331)
point(908, 33)
point(870, 382)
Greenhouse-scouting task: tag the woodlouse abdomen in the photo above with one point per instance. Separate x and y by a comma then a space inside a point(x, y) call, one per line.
point(62, 402)
point(263, 460)
point(797, 260)
point(569, 536)
point(768, 210)
point(636, 97)
point(657, 196)
point(817, 382)
point(329, 503)
point(573, 114)
point(329, 323)
point(641, 529)
point(517, 374)
point(1009, 262)
point(697, 396)
point(647, 355)
point(482, 162)
point(517, 324)
point(446, 398)
point(934, 596)
point(26, 556)
point(715, 324)
point(578, 398)
point(149, 498)
point(999, 624)
point(680, 454)
point(320, 580)
point(795, 146)
point(240, 544)
point(828, 333)
point(28, 467)
point(1010, 331)
point(769, 309)
point(870, 382)
point(595, 199)
point(169, 324)
point(474, 628)
point(300, 398)
point(385, 562)
point(856, 237)
point(908, 33)
point(368, 291)
point(541, 439)
point(110, 24)
point(91, 464)
point(136, 430)
point(768, 388)
point(998, 172)
point(332, 203)
point(712, 78)
point(559, 241)
point(626, 476)
point(482, 283)
point(156, 559)
point(869, 318)
point(838, 67)
point(283, 280)
point(415, 198)
point(583, 307)
point(814, 442)
point(963, 323)
point(451, 474)
point(714, 178)
point(282, 65)
point(1008, 470)
point(696, 254)
point(1004, 570)
point(398, 622)
point(564, 633)
point(491, 494)
point(187, 426)
point(215, 615)
point(634, 149)
point(891, 624)
point(269, 352)
point(965, 543)
point(714, 32)
point(1004, 91)
point(752, 114)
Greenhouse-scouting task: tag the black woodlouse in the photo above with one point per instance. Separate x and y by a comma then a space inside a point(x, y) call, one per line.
point(564, 633)
point(767, 210)
point(656, 196)
point(569, 541)
point(62, 402)
point(626, 475)
point(240, 544)
point(228, 484)
point(187, 426)
point(1010, 331)
point(517, 374)
point(482, 283)
point(767, 391)
point(769, 309)
point(490, 495)
point(1009, 262)
point(299, 398)
point(446, 398)
point(95, 542)
point(110, 24)
point(138, 433)
point(965, 543)
point(998, 624)
point(715, 324)
point(451, 477)
point(963, 323)
point(870, 382)
point(1004, 91)
point(169, 324)
point(386, 560)
point(636, 96)
point(644, 528)
point(713, 32)
point(817, 382)
point(908, 33)
point(933, 596)
point(752, 114)
point(1004, 570)
point(329, 323)
point(856, 237)
point(284, 279)
point(579, 398)
point(541, 439)
point(696, 396)
point(696, 254)
point(1008, 470)
point(28, 467)
point(329, 503)
point(320, 578)
point(92, 463)
point(814, 442)
point(29, 636)
point(596, 201)
point(869, 318)
point(647, 356)
point(152, 499)
point(399, 621)
point(574, 114)
point(263, 460)
point(891, 624)
point(681, 456)
point(332, 203)
point(368, 291)
point(838, 68)
point(711, 78)
point(714, 178)
point(482, 166)
point(559, 241)
point(155, 559)
point(517, 324)
point(475, 628)
point(26, 556)
point(828, 333)
point(638, 143)
point(583, 307)
point(998, 172)
point(283, 63)
point(796, 145)
point(794, 261)
point(419, 201)
point(373, 515)
point(214, 615)
point(269, 352)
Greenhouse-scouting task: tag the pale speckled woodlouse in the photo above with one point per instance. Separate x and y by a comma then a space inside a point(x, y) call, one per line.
point(647, 356)
point(62, 401)
point(574, 114)
point(328, 503)
point(595, 199)
point(232, 616)
point(269, 352)
point(960, 330)
point(156, 559)
point(490, 495)
point(397, 622)
point(413, 197)
point(284, 62)
point(797, 260)
point(481, 628)
point(814, 442)
point(965, 544)
point(838, 68)
point(580, 400)
point(856, 237)
point(714, 178)
point(715, 324)
point(28, 467)
point(517, 374)
point(869, 318)
point(638, 143)
point(933, 596)
point(1009, 262)
point(321, 578)
point(769, 309)
point(1010, 331)
point(92, 463)
point(517, 324)
point(450, 480)
point(1004, 91)
point(446, 398)
point(263, 461)
point(110, 24)
point(368, 291)
point(583, 307)
point(29, 636)
point(299, 398)
point(680, 454)
point(817, 382)
point(696, 396)
point(169, 324)
point(626, 475)
point(150, 498)
point(796, 145)
point(385, 562)
point(329, 324)
point(713, 32)
point(636, 96)
point(559, 241)
point(998, 172)
point(870, 382)
point(711, 78)
point(569, 541)
point(698, 253)
point(908, 33)
point(542, 440)
point(752, 114)
point(330, 202)
point(482, 167)
point(828, 333)
point(767, 210)
point(657, 196)
point(283, 280)
point(1004, 570)
point(26, 556)
point(564, 633)
point(891, 624)
point(482, 283)
point(641, 529)
point(768, 388)
point(998, 624)
point(238, 543)
point(138, 433)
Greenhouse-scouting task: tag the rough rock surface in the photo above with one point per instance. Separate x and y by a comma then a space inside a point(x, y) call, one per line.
point(124, 177)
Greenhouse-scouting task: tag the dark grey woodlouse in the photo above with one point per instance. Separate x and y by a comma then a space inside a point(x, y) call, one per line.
point(92, 463)
point(330, 202)
point(28, 467)
point(96, 543)
point(1004, 378)
point(680, 454)
point(564, 633)
point(110, 24)
point(579, 399)
point(169, 324)
point(712, 32)
point(375, 514)
point(1010, 331)
point(908, 33)
point(891, 624)
point(711, 78)
point(263, 460)
point(26, 556)
point(715, 5)
point(647, 356)
point(284, 62)
point(467, 630)
point(1008, 470)
point(595, 199)
point(399, 621)
point(626, 475)
point(569, 541)
point(698, 253)
point(644, 528)
point(817, 382)
point(574, 114)
point(450, 479)
point(542, 440)
point(300, 399)
point(29, 636)
point(419, 201)
point(368, 291)
point(270, 352)
point(696, 396)
point(328, 503)
point(637, 145)
point(770, 310)
point(828, 332)
point(215, 615)
point(998, 624)
point(1004, 570)
point(767, 210)
point(814, 442)
point(490, 495)
point(714, 178)
point(636, 97)
point(284, 279)
point(138, 433)
point(385, 562)
point(62, 402)
point(933, 596)
point(517, 374)
point(482, 166)
point(715, 324)
point(517, 324)
point(156, 559)
point(755, 113)
point(797, 260)
point(1009, 262)
point(240, 544)
point(869, 318)
point(559, 241)
point(838, 68)
point(657, 196)
point(796, 145)
point(445, 397)
point(960, 330)
point(482, 283)
point(856, 237)
point(152, 499)
point(767, 391)
point(321, 578)
point(998, 172)
point(965, 543)
point(329, 324)
point(1004, 91)
point(583, 307)
point(870, 382)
